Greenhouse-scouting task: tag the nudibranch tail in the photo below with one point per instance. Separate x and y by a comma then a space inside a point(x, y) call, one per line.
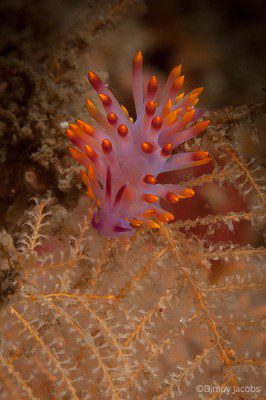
point(122, 157)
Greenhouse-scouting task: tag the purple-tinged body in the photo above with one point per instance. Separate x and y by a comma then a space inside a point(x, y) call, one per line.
point(124, 157)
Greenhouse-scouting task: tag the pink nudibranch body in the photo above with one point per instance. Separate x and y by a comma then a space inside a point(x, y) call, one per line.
point(122, 158)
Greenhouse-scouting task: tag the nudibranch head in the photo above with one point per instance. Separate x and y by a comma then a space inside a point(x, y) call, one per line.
point(122, 158)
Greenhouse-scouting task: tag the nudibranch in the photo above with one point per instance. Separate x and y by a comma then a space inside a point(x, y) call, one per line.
point(122, 157)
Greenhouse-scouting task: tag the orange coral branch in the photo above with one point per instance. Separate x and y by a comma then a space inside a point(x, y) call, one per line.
point(46, 349)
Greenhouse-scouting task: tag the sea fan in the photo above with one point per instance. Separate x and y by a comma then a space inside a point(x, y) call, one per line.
point(123, 157)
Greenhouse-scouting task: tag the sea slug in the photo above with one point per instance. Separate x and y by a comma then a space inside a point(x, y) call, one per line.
point(122, 157)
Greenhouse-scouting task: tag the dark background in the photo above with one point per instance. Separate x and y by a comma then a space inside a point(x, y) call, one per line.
point(221, 44)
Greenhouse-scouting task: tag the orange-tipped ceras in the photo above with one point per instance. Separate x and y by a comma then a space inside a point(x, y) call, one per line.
point(122, 158)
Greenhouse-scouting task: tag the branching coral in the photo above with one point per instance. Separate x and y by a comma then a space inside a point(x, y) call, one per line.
point(93, 312)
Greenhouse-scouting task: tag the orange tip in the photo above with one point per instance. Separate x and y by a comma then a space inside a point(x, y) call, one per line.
point(167, 149)
point(162, 217)
point(147, 147)
point(150, 179)
point(78, 155)
point(91, 153)
point(88, 129)
point(122, 130)
point(178, 83)
point(187, 192)
point(84, 177)
point(172, 197)
point(156, 122)
point(152, 86)
point(200, 126)
point(151, 224)
point(91, 107)
point(150, 107)
point(112, 118)
point(91, 174)
point(106, 146)
point(125, 111)
point(105, 99)
point(70, 134)
point(170, 216)
point(136, 222)
point(94, 79)
point(80, 123)
point(176, 71)
point(178, 98)
point(150, 198)
point(149, 213)
point(73, 127)
point(138, 59)
point(171, 117)
point(201, 155)
point(197, 91)
point(187, 118)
